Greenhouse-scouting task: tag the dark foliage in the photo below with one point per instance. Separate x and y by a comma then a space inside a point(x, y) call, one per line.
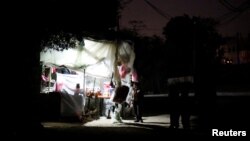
point(191, 44)
point(30, 24)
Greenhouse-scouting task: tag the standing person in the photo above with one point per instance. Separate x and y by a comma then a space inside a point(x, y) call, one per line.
point(180, 105)
point(77, 90)
point(79, 101)
point(174, 106)
point(137, 101)
point(185, 104)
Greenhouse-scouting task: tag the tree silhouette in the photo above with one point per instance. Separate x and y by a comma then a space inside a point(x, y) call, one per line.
point(29, 25)
point(64, 22)
point(179, 43)
point(191, 45)
point(149, 61)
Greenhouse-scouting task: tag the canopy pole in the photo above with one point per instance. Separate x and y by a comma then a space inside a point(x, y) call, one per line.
point(94, 85)
point(49, 76)
point(84, 85)
point(84, 93)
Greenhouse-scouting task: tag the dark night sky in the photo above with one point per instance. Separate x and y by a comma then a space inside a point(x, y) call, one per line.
point(141, 11)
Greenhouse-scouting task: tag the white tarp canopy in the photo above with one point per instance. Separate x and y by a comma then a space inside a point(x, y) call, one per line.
point(97, 58)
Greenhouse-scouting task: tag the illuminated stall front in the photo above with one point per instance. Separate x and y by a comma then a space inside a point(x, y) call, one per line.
point(95, 66)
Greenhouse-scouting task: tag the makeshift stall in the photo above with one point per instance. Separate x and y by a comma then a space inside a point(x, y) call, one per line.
point(92, 65)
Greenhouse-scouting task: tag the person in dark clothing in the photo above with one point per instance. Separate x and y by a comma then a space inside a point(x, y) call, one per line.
point(137, 101)
point(179, 105)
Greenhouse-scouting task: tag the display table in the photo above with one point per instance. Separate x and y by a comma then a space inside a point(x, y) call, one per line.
point(104, 97)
